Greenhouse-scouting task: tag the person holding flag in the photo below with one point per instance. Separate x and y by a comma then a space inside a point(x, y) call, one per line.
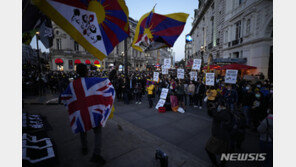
point(89, 102)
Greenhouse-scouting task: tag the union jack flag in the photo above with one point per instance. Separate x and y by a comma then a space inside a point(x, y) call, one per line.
point(89, 102)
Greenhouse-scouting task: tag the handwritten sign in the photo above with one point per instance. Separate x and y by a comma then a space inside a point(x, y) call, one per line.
point(210, 79)
point(167, 63)
point(196, 64)
point(193, 75)
point(164, 93)
point(231, 76)
point(160, 103)
point(180, 73)
point(155, 76)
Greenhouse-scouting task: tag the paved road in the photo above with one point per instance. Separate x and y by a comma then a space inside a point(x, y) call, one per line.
point(187, 133)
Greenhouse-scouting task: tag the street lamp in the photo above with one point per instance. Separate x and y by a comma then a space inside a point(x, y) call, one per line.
point(38, 58)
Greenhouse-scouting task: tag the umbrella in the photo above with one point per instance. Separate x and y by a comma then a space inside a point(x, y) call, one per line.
point(235, 66)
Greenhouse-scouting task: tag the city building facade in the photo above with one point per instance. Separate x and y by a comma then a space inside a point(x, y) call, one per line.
point(71, 53)
point(233, 31)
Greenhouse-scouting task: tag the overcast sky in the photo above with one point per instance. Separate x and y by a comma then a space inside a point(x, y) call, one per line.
point(138, 8)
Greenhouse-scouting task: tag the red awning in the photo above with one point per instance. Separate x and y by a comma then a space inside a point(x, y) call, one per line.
point(77, 61)
point(96, 62)
point(87, 62)
point(236, 66)
point(212, 67)
point(59, 61)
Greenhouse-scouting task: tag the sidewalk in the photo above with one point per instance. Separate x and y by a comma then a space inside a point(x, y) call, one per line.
point(124, 144)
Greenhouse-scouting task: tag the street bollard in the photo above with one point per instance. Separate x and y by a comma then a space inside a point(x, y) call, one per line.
point(162, 157)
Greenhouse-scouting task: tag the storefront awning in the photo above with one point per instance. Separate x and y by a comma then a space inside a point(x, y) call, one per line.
point(59, 61)
point(216, 67)
point(96, 62)
point(77, 61)
point(235, 66)
point(87, 62)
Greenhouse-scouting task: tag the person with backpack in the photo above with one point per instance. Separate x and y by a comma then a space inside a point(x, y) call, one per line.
point(266, 136)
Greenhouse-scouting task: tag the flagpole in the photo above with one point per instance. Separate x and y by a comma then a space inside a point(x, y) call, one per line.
point(125, 58)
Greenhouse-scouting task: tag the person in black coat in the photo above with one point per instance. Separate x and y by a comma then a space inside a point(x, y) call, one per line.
point(221, 128)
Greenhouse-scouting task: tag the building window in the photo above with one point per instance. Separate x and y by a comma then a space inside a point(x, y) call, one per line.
point(248, 26)
point(240, 1)
point(76, 46)
point(235, 54)
point(59, 44)
point(238, 28)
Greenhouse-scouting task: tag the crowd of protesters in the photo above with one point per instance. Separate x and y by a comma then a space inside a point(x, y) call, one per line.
point(233, 107)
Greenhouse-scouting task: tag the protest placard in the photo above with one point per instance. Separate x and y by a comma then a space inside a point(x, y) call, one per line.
point(164, 70)
point(180, 73)
point(160, 103)
point(196, 64)
point(193, 75)
point(164, 93)
point(167, 63)
point(210, 79)
point(231, 76)
point(155, 76)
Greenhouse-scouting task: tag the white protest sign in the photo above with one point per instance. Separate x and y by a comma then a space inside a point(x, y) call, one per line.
point(155, 76)
point(164, 93)
point(180, 73)
point(164, 70)
point(196, 64)
point(160, 103)
point(167, 63)
point(210, 79)
point(193, 75)
point(231, 76)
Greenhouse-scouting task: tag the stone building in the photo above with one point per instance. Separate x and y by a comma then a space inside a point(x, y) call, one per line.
point(70, 52)
point(248, 32)
point(234, 31)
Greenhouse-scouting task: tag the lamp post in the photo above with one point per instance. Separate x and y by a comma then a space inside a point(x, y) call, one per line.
point(38, 58)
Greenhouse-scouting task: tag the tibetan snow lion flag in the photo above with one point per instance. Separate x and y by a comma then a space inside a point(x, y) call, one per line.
point(98, 26)
point(156, 31)
point(89, 102)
